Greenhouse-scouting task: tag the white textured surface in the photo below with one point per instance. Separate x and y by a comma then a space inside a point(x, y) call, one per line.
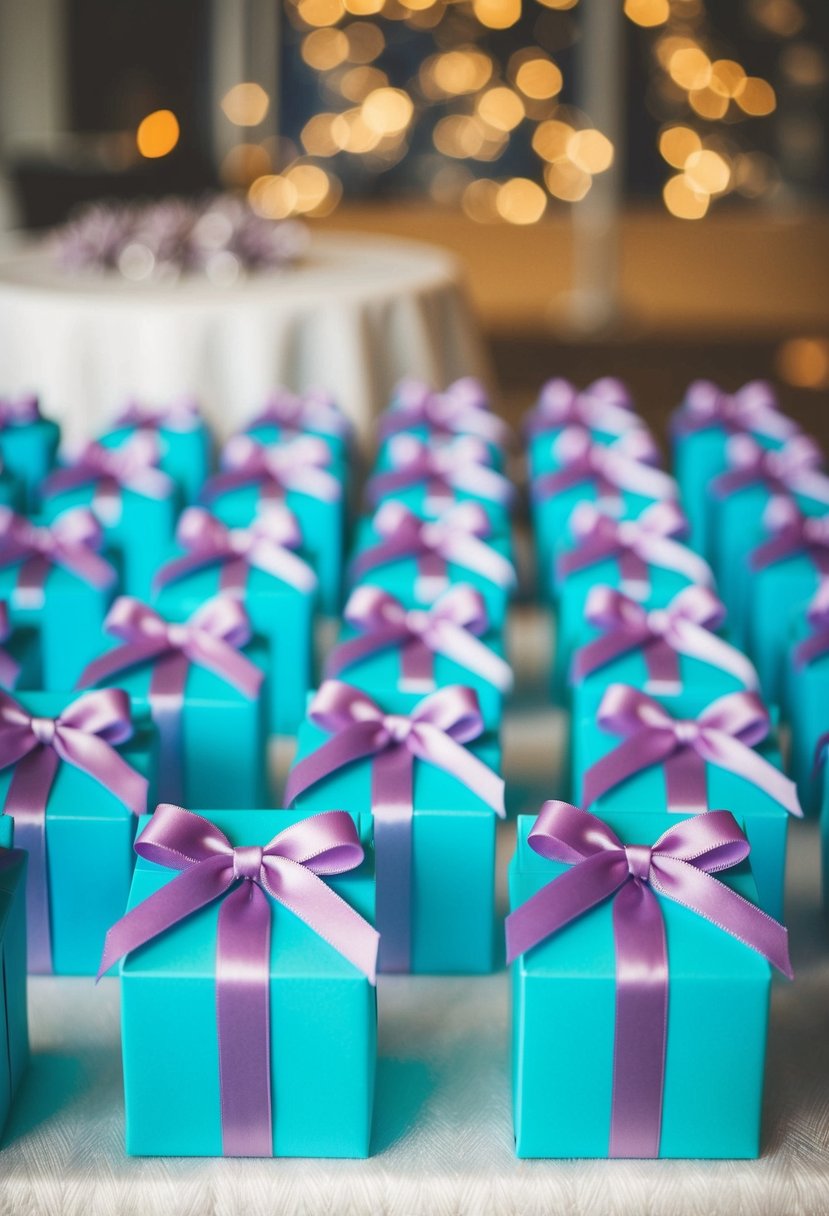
point(355, 317)
point(443, 1141)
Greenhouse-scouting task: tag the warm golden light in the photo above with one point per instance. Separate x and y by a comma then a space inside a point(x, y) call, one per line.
point(244, 163)
point(365, 41)
point(417, 6)
point(728, 78)
point(550, 139)
point(311, 186)
point(357, 83)
point(464, 70)
point(500, 108)
point(325, 49)
point(520, 201)
point(707, 171)
point(246, 104)
point(497, 14)
point(539, 78)
point(804, 362)
point(567, 181)
point(363, 8)
point(157, 134)
point(317, 135)
point(590, 150)
point(321, 12)
point(273, 196)
point(756, 97)
point(677, 143)
point(648, 13)
point(479, 201)
point(690, 68)
point(682, 200)
point(708, 104)
point(559, 4)
point(387, 111)
point(351, 134)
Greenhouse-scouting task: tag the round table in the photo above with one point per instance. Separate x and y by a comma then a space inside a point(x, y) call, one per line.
point(354, 317)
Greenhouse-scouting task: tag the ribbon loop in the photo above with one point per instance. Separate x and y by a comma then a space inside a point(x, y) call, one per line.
point(301, 465)
point(314, 410)
point(461, 409)
point(753, 408)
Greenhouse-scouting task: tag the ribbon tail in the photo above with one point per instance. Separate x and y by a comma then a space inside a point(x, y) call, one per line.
point(629, 758)
point(469, 651)
point(739, 758)
point(354, 650)
point(26, 802)
point(563, 900)
point(436, 747)
point(344, 747)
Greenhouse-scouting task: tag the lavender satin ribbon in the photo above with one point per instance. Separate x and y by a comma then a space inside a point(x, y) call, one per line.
point(131, 466)
point(751, 408)
point(19, 411)
point(452, 627)
point(793, 534)
point(180, 415)
point(70, 542)
point(680, 865)
point(458, 537)
point(636, 544)
point(461, 409)
point(84, 735)
point(461, 464)
point(605, 405)
point(724, 734)
point(290, 870)
point(794, 468)
point(661, 634)
point(9, 667)
point(295, 413)
point(210, 638)
point(624, 465)
point(817, 614)
point(266, 545)
point(300, 464)
point(434, 732)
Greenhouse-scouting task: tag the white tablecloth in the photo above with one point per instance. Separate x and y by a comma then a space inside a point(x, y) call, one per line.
point(443, 1132)
point(358, 314)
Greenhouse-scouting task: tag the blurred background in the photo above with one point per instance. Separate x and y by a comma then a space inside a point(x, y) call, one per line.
point(633, 187)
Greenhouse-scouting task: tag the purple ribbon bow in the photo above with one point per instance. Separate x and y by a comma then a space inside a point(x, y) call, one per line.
point(662, 634)
point(300, 464)
point(751, 408)
point(290, 870)
point(19, 411)
point(297, 413)
point(636, 544)
point(434, 732)
point(69, 541)
point(211, 638)
point(84, 735)
point(180, 415)
point(131, 466)
point(452, 627)
point(793, 468)
point(266, 545)
point(680, 865)
point(605, 405)
point(817, 614)
point(624, 465)
point(461, 409)
point(457, 537)
point(9, 667)
point(461, 464)
point(792, 534)
point(724, 734)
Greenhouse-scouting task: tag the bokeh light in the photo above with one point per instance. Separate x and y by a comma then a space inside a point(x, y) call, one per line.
point(157, 134)
point(520, 201)
point(683, 200)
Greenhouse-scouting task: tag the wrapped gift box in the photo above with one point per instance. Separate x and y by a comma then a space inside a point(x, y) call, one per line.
point(203, 682)
point(276, 586)
point(568, 1054)
point(438, 417)
point(28, 449)
point(183, 439)
point(759, 806)
point(604, 408)
point(288, 415)
point(805, 704)
point(446, 924)
point(74, 825)
point(321, 1019)
point(299, 474)
point(14, 1022)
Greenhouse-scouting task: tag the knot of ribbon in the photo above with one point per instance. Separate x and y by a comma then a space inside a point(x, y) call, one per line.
point(9, 667)
point(724, 734)
point(435, 733)
point(752, 408)
point(793, 468)
point(70, 542)
point(680, 866)
point(461, 409)
point(19, 411)
point(684, 627)
point(180, 415)
point(461, 464)
point(451, 627)
point(636, 544)
point(290, 870)
point(267, 544)
point(300, 464)
point(131, 466)
point(311, 411)
point(605, 405)
point(792, 534)
point(84, 735)
point(458, 537)
point(624, 465)
point(210, 638)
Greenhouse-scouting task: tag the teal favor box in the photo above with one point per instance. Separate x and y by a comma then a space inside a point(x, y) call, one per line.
point(453, 853)
point(28, 451)
point(184, 453)
point(778, 595)
point(322, 1013)
point(281, 616)
point(223, 732)
point(765, 821)
point(564, 1017)
point(14, 1022)
point(89, 835)
point(805, 707)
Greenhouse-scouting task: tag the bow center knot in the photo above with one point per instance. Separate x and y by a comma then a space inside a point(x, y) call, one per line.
point(658, 621)
point(431, 534)
point(686, 731)
point(247, 862)
point(239, 540)
point(638, 857)
point(178, 636)
point(417, 621)
point(44, 730)
point(627, 532)
point(398, 727)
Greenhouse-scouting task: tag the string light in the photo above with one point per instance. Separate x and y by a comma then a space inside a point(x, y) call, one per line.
point(246, 104)
point(157, 134)
point(520, 201)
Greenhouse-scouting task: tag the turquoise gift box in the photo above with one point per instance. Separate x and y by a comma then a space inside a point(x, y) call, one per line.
point(28, 450)
point(287, 415)
point(217, 734)
point(323, 1021)
point(765, 820)
point(564, 1017)
point(14, 1022)
point(88, 830)
point(184, 448)
point(452, 910)
point(805, 707)
point(281, 614)
point(463, 408)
